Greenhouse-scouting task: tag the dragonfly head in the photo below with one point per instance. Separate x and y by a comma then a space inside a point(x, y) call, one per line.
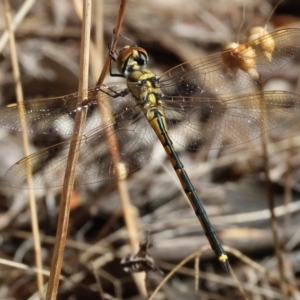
point(131, 58)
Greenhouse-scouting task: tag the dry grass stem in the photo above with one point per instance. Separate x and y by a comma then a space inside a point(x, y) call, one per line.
point(20, 15)
point(106, 222)
point(80, 118)
point(19, 95)
point(105, 112)
point(271, 202)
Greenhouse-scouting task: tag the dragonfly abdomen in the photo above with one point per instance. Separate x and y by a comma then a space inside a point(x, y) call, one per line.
point(157, 121)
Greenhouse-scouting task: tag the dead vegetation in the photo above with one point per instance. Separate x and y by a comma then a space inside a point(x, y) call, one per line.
point(230, 181)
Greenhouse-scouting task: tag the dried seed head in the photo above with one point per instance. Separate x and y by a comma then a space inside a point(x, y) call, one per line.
point(265, 41)
point(240, 57)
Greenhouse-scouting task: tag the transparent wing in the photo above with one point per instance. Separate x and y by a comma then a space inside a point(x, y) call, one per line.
point(134, 139)
point(221, 73)
point(213, 123)
point(233, 70)
point(56, 115)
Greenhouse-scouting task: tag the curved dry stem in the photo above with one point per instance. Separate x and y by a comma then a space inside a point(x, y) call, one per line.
point(104, 110)
point(246, 260)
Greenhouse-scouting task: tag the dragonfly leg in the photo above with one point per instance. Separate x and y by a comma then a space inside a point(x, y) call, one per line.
point(115, 94)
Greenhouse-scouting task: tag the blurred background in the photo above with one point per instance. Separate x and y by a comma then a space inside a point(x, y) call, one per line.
point(230, 181)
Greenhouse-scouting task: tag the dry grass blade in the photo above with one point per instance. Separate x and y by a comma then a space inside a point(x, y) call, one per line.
point(101, 233)
point(20, 266)
point(271, 203)
point(243, 287)
point(128, 209)
point(63, 220)
point(182, 263)
point(32, 203)
point(288, 192)
point(270, 194)
point(16, 21)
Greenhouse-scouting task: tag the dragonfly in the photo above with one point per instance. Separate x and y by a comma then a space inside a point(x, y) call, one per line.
point(193, 104)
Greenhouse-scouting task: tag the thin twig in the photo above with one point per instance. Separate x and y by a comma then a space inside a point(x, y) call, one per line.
point(63, 220)
point(288, 192)
point(115, 41)
point(242, 22)
point(97, 47)
point(32, 203)
point(128, 209)
point(270, 198)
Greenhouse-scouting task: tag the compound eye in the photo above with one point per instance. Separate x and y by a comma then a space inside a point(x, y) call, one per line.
point(142, 57)
point(123, 57)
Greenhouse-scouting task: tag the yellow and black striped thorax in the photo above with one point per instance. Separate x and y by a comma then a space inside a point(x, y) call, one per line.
point(143, 83)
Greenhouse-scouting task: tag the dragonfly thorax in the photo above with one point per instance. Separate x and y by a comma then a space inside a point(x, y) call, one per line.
point(144, 86)
point(142, 83)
